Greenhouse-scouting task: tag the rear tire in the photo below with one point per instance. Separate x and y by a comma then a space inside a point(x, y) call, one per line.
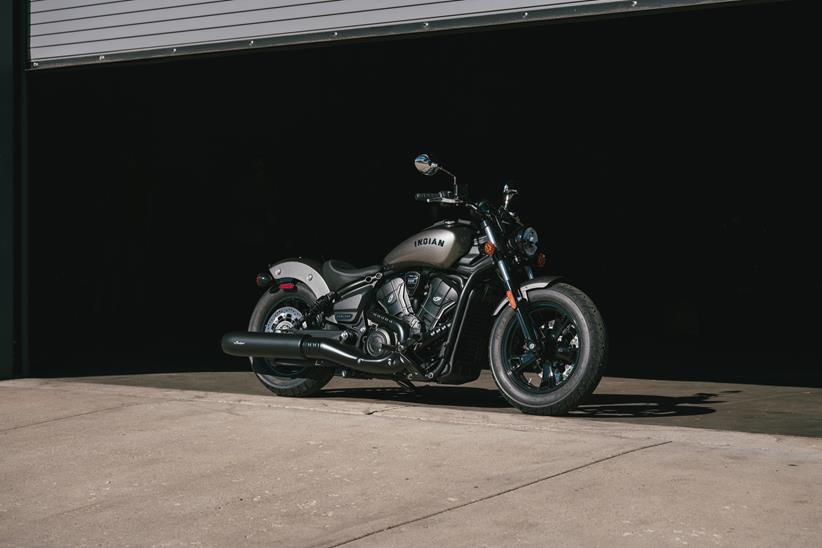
point(585, 344)
point(289, 379)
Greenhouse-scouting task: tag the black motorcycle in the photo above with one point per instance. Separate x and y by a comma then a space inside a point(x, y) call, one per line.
point(447, 302)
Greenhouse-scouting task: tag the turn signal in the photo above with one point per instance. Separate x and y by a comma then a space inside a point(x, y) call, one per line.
point(542, 258)
point(264, 279)
point(511, 300)
point(489, 248)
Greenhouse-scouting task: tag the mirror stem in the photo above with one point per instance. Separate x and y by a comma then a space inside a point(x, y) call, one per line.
point(456, 189)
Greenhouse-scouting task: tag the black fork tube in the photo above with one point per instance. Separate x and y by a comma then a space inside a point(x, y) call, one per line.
point(520, 311)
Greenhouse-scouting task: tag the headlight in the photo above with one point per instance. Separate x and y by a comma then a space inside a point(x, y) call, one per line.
point(527, 241)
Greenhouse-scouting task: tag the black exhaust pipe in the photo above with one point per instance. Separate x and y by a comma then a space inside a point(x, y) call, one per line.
point(304, 347)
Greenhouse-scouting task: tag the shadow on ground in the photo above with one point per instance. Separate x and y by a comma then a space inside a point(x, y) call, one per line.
point(697, 404)
point(598, 405)
point(632, 405)
point(452, 396)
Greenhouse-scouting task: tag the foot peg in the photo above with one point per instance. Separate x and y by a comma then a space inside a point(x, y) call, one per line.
point(408, 385)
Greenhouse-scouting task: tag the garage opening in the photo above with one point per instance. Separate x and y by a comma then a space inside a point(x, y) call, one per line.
point(662, 158)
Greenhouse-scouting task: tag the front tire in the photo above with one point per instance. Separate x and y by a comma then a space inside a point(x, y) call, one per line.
point(282, 312)
point(574, 359)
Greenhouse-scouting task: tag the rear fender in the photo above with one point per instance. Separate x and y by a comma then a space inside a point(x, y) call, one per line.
point(306, 271)
point(537, 283)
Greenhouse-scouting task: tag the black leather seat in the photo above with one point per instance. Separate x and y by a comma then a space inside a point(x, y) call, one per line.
point(339, 273)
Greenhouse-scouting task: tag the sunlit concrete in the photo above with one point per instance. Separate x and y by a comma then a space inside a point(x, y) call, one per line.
point(104, 464)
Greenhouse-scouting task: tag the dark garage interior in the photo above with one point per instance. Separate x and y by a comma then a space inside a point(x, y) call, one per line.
point(662, 157)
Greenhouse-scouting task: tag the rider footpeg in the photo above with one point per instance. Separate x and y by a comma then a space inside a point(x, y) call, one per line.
point(408, 385)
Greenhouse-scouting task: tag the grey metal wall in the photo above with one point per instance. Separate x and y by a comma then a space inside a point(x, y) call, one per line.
point(82, 31)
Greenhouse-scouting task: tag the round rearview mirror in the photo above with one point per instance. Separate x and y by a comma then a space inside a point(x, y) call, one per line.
point(425, 166)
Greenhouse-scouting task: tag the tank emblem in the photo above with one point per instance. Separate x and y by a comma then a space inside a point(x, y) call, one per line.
point(429, 241)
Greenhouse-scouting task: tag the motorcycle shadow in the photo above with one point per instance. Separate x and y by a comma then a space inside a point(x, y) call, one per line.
point(596, 406)
point(643, 406)
point(449, 396)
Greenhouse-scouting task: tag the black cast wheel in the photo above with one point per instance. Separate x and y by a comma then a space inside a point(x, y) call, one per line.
point(282, 312)
point(573, 358)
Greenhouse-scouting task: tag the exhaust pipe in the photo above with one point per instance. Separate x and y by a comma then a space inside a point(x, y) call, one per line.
point(304, 347)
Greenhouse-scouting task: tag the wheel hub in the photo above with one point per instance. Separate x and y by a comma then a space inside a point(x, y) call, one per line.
point(283, 320)
point(555, 361)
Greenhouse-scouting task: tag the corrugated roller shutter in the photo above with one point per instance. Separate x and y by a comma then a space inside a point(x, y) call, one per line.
point(77, 31)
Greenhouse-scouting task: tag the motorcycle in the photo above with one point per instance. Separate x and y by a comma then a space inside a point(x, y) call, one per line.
point(458, 297)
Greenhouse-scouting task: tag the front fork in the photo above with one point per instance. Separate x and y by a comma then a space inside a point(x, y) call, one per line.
point(533, 345)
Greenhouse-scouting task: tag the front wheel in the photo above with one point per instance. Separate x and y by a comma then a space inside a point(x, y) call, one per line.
point(573, 356)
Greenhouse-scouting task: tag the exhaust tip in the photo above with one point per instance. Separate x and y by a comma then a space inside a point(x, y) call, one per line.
point(262, 345)
point(232, 342)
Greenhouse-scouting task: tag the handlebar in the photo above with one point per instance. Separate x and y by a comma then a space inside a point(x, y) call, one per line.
point(425, 196)
point(482, 209)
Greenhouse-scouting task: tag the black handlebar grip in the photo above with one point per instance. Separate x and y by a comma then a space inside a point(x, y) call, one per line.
point(424, 196)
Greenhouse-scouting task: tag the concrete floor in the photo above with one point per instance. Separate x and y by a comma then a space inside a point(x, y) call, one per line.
point(92, 463)
point(791, 411)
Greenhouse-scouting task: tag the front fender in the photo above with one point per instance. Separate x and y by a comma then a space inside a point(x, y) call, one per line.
point(306, 271)
point(537, 283)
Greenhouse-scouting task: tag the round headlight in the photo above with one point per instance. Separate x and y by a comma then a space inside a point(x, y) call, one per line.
point(527, 241)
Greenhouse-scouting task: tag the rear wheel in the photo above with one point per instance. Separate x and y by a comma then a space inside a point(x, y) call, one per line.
point(282, 312)
point(574, 352)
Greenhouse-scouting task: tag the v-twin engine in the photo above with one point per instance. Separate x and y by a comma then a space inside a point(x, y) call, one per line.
point(393, 296)
point(439, 297)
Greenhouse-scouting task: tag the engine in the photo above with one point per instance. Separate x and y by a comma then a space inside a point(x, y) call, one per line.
point(419, 302)
point(394, 298)
point(439, 300)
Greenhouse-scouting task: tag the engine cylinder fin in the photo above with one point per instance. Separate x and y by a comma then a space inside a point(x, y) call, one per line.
point(442, 296)
point(393, 297)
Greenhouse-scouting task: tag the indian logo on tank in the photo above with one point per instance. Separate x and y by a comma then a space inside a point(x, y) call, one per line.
point(429, 241)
